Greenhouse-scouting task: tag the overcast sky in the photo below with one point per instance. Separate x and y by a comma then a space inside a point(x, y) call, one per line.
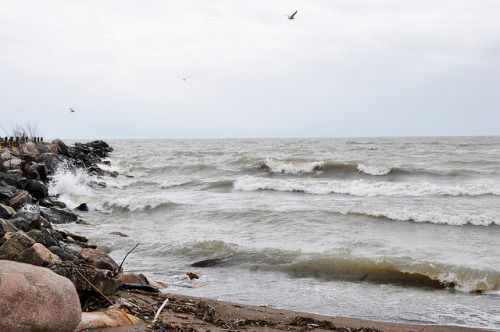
point(340, 68)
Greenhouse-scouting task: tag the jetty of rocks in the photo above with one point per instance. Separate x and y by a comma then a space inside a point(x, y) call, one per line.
point(45, 271)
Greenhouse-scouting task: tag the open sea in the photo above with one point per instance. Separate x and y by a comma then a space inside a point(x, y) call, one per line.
point(390, 229)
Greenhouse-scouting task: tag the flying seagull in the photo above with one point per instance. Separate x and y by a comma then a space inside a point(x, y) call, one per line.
point(71, 110)
point(184, 78)
point(292, 17)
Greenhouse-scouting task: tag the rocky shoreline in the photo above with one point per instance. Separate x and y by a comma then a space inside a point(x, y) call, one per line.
point(32, 248)
point(53, 280)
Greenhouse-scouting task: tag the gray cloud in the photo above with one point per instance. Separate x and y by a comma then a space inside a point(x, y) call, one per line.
point(344, 68)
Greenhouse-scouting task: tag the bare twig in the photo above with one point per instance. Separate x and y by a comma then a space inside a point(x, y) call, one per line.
point(123, 261)
point(97, 289)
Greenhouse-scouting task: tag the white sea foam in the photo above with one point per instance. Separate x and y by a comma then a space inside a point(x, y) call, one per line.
point(374, 170)
point(364, 188)
point(293, 167)
point(70, 182)
point(438, 217)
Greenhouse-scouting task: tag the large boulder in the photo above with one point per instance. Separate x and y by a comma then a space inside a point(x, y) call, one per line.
point(62, 148)
point(63, 254)
point(5, 227)
point(36, 299)
point(37, 188)
point(27, 221)
point(98, 259)
point(42, 148)
point(7, 191)
point(21, 199)
point(15, 244)
point(13, 180)
point(83, 276)
point(43, 236)
point(42, 171)
point(6, 211)
point(29, 151)
point(52, 161)
point(12, 163)
point(38, 255)
point(58, 216)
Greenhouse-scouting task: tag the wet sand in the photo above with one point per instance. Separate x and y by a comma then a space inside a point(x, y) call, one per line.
point(183, 313)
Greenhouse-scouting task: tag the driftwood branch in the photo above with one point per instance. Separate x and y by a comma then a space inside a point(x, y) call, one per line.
point(159, 310)
point(123, 261)
point(97, 289)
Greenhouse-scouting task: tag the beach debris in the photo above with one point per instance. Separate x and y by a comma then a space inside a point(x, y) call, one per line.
point(145, 288)
point(157, 284)
point(121, 302)
point(110, 318)
point(159, 311)
point(210, 262)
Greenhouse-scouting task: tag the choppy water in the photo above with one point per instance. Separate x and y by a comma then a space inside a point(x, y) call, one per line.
point(390, 229)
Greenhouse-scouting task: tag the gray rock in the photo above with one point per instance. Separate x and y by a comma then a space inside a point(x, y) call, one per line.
point(36, 299)
point(52, 161)
point(6, 191)
point(15, 244)
point(42, 236)
point(98, 259)
point(61, 253)
point(72, 248)
point(27, 221)
point(42, 148)
point(58, 216)
point(6, 211)
point(76, 274)
point(38, 255)
point(38, 189)
point(20, 199)
point(6, 226)
point(42, 171)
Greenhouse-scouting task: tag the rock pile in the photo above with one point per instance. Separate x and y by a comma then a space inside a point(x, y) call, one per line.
point(28, 234)
point(27, 213)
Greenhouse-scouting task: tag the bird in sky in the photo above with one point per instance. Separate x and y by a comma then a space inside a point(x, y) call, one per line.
point(292, 17)
point(184, 78)
point(71, 110)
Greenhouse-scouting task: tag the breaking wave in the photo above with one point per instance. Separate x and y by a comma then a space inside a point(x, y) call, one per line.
point(364, 188)
point(298, 167)
point(133, 203)
point(292, 167)
point(400, 271)
point(70, 185)
point(435, 217)
point(374, 170)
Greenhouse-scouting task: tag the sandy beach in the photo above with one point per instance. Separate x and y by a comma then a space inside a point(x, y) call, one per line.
point(182, 313)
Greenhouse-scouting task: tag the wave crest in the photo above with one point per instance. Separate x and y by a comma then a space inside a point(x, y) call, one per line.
point(374, 170)
point(292, 167)
point(364, 188)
